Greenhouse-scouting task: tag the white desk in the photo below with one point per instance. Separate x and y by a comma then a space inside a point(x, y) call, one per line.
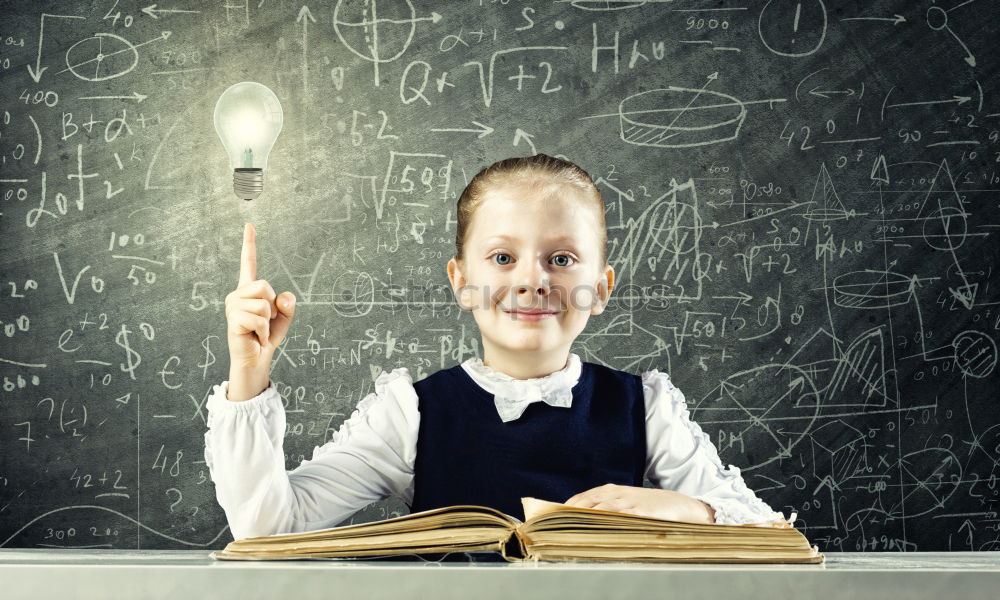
point(191, 574)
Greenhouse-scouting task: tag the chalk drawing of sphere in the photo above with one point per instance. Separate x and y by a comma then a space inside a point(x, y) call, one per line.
point(376, 31)
point(975, 353)
point(103, 56)
point(945, 228)
point(677, 117)
point(792, 27)
point(353, 294)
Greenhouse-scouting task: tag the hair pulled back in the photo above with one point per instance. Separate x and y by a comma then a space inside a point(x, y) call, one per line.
point(541, 168)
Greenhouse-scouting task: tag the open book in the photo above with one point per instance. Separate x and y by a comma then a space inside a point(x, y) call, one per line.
point(550, 532)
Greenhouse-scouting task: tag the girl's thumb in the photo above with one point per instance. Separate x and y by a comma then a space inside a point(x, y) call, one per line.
point(280, 324)
point(286, 304)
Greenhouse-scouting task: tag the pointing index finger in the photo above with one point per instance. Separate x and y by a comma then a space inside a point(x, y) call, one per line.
point(248, 258)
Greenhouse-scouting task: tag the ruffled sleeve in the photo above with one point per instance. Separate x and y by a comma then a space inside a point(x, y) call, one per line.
point(681, 457)
point(369, 458)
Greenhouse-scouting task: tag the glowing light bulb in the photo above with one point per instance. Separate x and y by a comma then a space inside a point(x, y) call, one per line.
point(248, 119)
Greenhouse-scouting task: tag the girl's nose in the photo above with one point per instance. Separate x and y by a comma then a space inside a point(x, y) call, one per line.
point(534, 278)
point(540, 290)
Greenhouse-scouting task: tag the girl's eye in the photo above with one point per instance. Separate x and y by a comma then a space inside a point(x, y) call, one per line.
point(507, 260)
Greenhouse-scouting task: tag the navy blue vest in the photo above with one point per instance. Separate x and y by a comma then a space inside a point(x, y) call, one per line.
point(467, 455)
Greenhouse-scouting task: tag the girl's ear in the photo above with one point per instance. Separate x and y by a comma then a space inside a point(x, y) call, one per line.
point(604, 286)
point(458, 282)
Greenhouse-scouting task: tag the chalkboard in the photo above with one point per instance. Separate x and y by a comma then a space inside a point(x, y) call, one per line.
point(801, 199)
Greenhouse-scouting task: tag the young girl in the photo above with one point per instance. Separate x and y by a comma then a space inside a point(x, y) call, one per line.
point(528, 419)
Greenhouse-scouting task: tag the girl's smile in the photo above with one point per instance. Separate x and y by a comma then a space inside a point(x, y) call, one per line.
point(531, 315)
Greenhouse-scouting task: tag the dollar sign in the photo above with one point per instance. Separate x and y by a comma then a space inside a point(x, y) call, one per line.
point(209, 355)
point(122, 340)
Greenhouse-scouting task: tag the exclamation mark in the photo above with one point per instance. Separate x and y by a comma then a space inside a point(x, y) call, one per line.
point(795, 23)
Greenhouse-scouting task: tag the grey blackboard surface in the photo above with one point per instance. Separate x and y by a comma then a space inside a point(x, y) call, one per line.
point(801, 200)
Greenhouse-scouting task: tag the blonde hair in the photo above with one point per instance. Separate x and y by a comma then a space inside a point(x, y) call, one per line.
point(524, 168)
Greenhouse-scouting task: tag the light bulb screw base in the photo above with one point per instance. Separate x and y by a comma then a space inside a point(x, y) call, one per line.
point(248, 183)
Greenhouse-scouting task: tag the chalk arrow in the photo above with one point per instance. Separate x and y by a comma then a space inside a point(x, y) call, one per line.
point(151, 10)
point(483, 130)
point(826, 93)
point(134, 96)
point(956, 99)
point(519, 135)
point(895, 19)
point(36, 73)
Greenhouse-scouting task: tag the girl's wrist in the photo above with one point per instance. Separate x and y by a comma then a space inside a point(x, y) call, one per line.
point(708, 512)
point(241, 389)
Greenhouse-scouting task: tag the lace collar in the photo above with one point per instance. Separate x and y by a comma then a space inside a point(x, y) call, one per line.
point(512, 396)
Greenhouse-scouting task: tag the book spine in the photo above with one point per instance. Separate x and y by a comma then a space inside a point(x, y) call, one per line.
point(514, 548)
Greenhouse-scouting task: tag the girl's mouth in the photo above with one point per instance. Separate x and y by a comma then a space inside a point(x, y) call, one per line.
point(530, 315)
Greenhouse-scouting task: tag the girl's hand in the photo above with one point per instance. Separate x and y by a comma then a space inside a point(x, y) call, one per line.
point(645, 502)
point(257, 321)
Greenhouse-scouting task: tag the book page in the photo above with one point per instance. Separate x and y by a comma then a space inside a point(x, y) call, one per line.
point(534, 507)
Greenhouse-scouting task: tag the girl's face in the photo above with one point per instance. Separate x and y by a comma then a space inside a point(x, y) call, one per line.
point(532, 248)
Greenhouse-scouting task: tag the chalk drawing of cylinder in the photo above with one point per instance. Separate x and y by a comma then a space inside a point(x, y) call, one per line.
point(872, 290)
point(676, 117)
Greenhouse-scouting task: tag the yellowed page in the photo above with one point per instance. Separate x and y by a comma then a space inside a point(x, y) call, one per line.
point(446, 517)
point(535, 507)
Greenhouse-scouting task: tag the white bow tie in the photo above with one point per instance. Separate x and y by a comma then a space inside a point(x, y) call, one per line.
point(513, 397)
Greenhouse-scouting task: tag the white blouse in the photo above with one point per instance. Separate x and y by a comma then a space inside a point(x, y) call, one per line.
point(371, 456)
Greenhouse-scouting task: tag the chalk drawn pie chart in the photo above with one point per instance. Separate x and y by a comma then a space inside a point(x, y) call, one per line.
point(676, 117)
point(101, 57)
